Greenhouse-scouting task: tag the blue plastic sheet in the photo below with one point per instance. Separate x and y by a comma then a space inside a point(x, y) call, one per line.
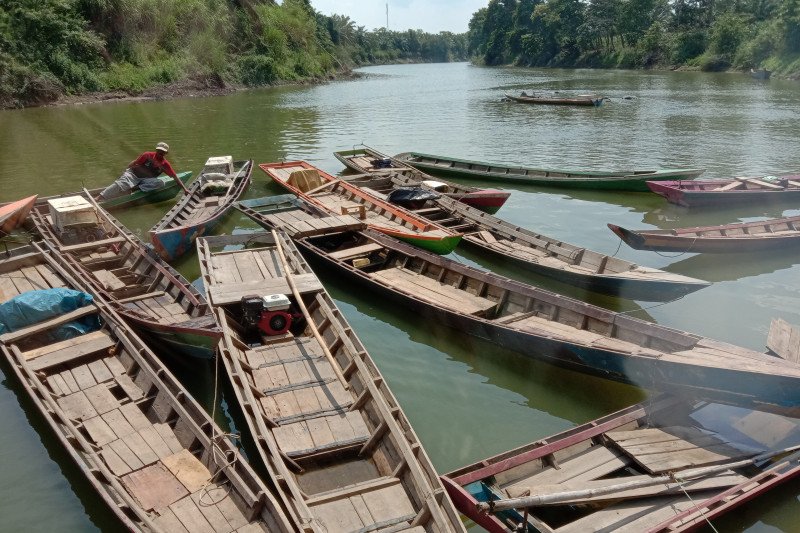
point(37, 306)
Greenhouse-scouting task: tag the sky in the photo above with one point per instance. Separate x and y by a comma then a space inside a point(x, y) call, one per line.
point(431, 16)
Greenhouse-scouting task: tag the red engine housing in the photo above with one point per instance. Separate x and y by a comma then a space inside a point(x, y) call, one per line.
point(274, 322)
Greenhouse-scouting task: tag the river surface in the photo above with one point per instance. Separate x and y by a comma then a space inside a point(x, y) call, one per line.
point(467, 399)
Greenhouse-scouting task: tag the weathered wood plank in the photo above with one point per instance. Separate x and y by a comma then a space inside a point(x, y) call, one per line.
point(154, 487)
point(188, 469)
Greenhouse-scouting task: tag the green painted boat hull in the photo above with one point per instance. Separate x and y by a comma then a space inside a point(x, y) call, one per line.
point(441, 246)
point(634, 181)
point(168, 192)
point(199, 346)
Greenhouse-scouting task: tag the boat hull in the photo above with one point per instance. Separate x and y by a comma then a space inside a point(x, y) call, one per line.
point(690, 196)
point(633, 181)
point(649, 290)
point(754, 390)
point(487, 201)
point(13, 214)
point(667, 241)
point(582, 102)
point(138, 197)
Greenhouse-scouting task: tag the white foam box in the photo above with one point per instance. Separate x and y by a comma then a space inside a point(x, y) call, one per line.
point(222, 164)
point(71, 211)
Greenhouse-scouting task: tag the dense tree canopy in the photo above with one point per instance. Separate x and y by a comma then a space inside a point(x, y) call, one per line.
point(53, 47)
point(709, 34)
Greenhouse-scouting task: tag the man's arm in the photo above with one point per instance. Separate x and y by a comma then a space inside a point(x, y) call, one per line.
point(167, 168)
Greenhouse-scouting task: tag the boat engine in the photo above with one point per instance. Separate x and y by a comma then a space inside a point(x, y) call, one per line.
point(269, 314)
point(382, 163)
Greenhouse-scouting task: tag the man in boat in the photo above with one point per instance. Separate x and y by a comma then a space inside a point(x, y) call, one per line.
point(142, 173)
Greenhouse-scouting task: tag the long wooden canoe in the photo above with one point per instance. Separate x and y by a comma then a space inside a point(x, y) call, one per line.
point(736, 191)
point(324, 421)
point(139, 197)
point(153, 455)
point(367, 160)
point(543, 255)
point(618, 180)
point(662, 466)
point(339, 197)
point(12, 214)
point(539, 323)
point(584, 100)
point(198, 212)
point(772, 234)
point(144, 289)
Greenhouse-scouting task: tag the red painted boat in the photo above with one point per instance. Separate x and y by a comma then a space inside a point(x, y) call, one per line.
point(12, 215)
point(341, 198)
point(367, 160)
point(665, 465)
point(741, 190)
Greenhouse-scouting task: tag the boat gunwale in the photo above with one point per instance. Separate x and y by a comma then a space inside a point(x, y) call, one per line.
point(248, 486)
point(399, 430)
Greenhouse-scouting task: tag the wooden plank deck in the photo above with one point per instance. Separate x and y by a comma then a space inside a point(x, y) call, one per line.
point(435, 292)
point(660, 450)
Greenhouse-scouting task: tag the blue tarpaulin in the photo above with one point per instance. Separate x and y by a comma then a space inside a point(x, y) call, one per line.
point(37, 306)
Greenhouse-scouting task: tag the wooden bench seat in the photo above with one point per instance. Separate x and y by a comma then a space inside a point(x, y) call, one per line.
point(69, 351)
point(229, 293)
point(591, 464)
point(14, 336)
point(350, 253)
point(430, 290)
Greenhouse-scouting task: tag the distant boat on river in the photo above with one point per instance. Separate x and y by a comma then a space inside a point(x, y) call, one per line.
point(760, 74)
point(580, 100)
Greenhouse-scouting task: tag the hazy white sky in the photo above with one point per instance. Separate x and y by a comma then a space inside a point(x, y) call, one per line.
point(431, 16)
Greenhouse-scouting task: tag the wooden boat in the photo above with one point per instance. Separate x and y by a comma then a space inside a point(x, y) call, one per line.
point(367, 160)
point(587, 100)
point(200, 211)
point(544, 255)
point(772, 234)
point(665, 465)
point(323, 419)
point(339, 197)
point(139, 197)
point(153, 455)
point(145, 290)
point(537, 322)
point(619, 180)
point(13, 213)
point(722, 193)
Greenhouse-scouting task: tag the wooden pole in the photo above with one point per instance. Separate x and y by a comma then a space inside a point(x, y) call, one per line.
point(560, 497)
point(290, 280)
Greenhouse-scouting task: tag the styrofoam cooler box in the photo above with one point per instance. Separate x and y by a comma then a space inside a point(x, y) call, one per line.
point(72, 211)
point(222, 164)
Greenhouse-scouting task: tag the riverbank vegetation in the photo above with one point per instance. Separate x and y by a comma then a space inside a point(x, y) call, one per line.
point(51, 48)
point(702, 34)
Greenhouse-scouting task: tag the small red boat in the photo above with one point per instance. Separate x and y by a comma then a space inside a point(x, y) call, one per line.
point(12, 215)
point(741, 190)
point(367, 160)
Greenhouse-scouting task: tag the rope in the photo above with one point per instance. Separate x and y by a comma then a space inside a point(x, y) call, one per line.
point(700, 509)
point(215, 446)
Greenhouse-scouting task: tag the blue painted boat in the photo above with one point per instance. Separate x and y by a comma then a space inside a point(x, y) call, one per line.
point(210, 197)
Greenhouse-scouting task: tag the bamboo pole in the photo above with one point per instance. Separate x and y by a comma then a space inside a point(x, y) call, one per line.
point(560, 497)
point(290, 280)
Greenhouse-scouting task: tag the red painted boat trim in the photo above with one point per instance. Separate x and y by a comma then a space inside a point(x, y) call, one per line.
point(777, 479)
point(466, 504)
point(556, 442)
